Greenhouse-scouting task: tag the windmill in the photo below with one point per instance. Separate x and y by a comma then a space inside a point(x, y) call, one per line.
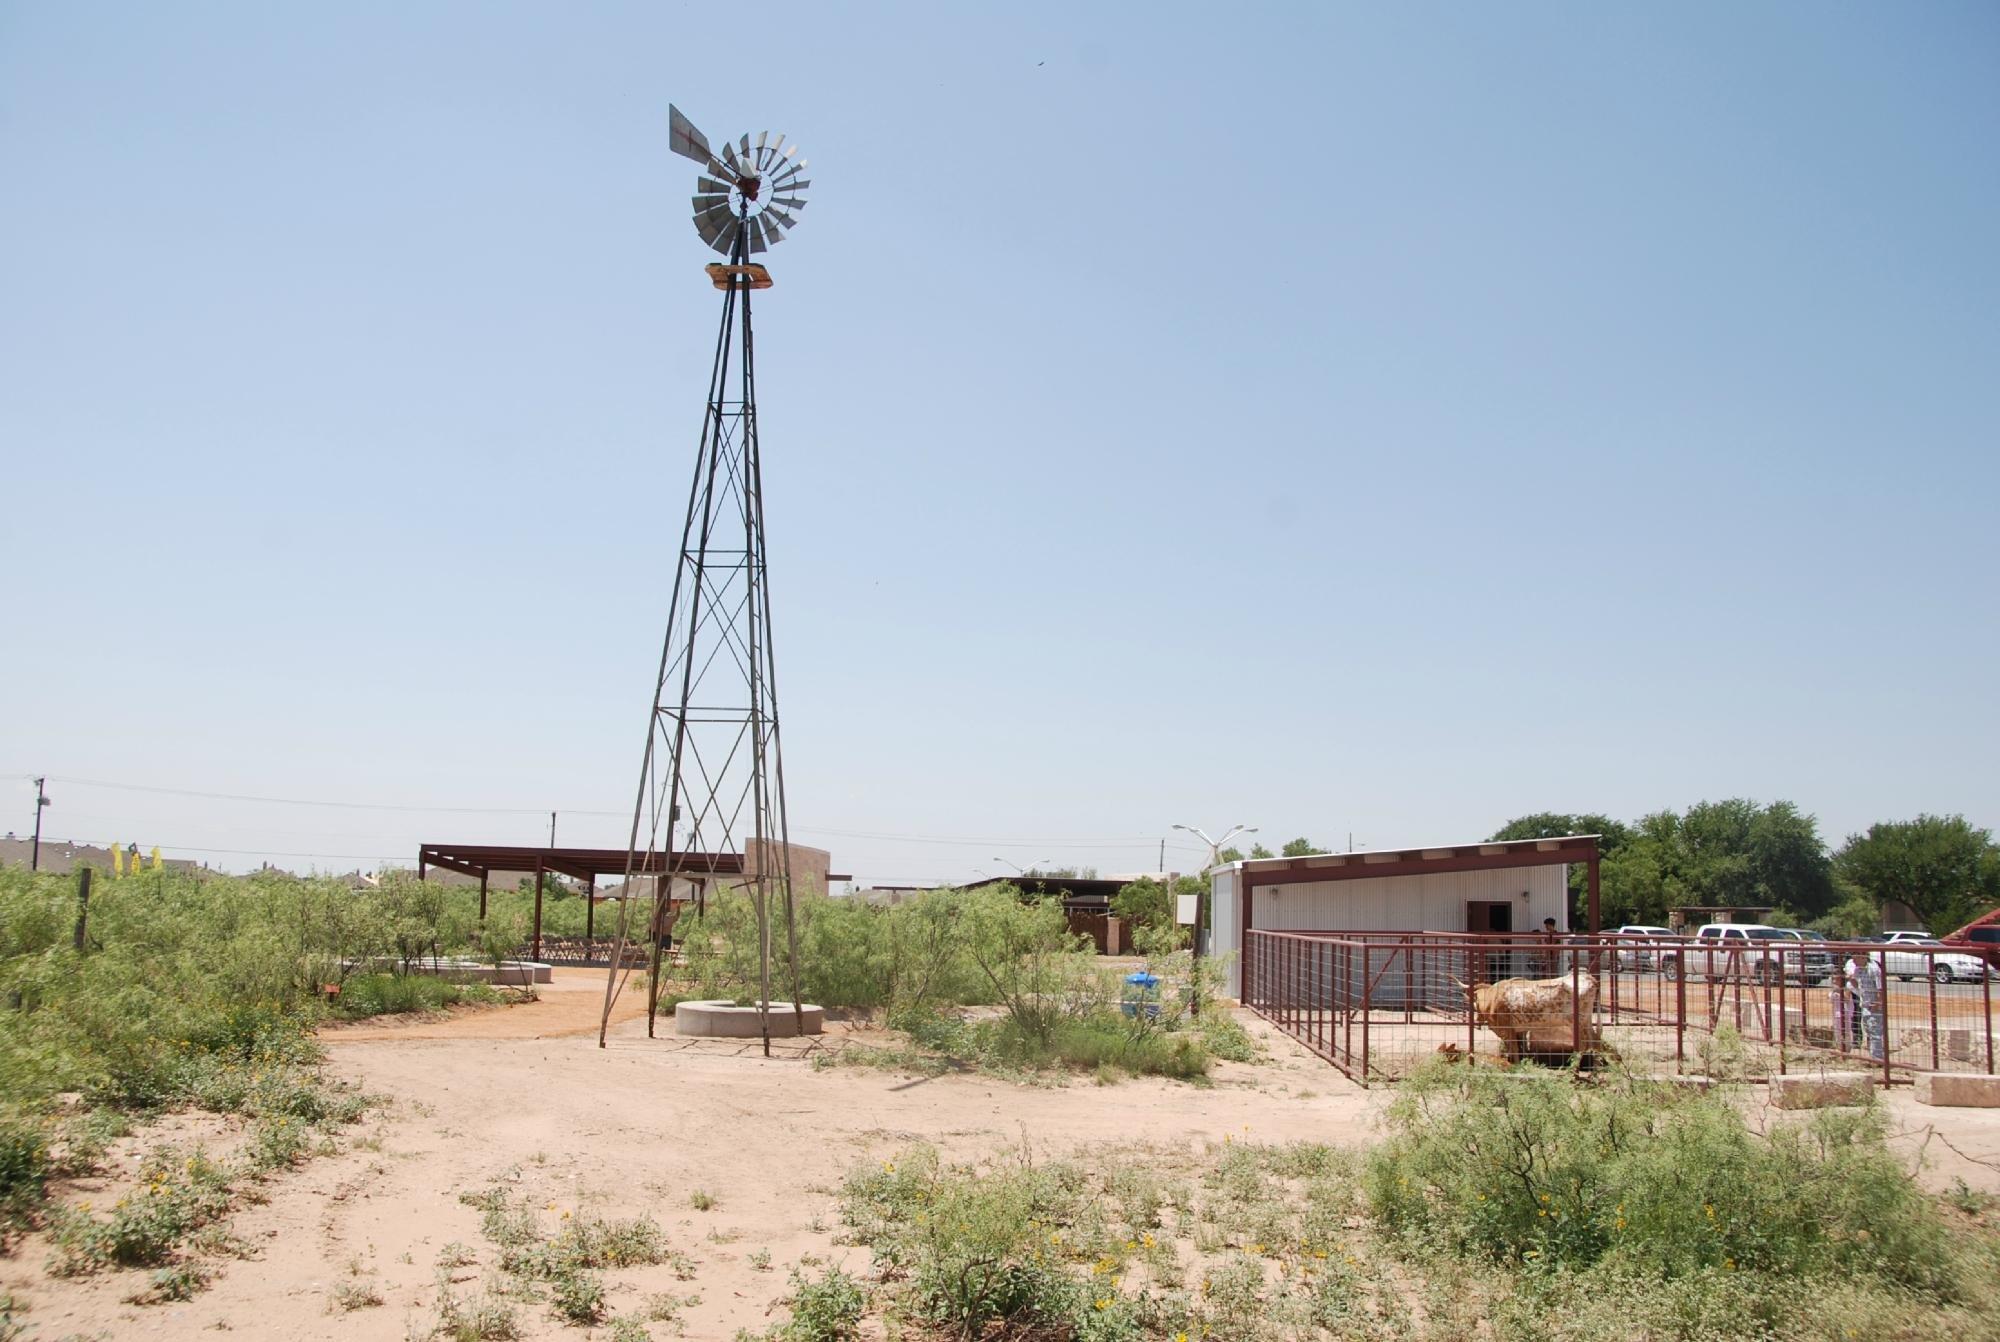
point(711, 800)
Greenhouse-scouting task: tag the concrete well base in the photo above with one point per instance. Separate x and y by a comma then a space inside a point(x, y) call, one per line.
point(726, 1020)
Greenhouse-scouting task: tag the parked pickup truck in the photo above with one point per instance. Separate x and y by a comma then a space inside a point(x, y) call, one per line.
point(1768, 953)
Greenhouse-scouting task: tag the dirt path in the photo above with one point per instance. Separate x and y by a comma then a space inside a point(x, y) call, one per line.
point(635, 1130)
point(572, 1005)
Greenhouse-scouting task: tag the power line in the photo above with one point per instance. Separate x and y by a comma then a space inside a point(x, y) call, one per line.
point(300, 801)
point(1136, 841)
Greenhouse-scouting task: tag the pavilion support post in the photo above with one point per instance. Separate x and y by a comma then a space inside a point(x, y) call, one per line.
point(1592, 910)
point(589, 911)
point(536, 953)
point(482, 896)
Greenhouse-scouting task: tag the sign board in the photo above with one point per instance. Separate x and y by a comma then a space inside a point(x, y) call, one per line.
point(1184, 909)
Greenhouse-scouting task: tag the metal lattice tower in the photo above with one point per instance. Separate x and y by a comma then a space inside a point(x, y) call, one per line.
point(711, 801)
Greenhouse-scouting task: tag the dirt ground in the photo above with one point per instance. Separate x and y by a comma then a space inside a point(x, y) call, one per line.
point(523, 1095)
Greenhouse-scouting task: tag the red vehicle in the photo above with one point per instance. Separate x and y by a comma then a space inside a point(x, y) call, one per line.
point(1981, 937)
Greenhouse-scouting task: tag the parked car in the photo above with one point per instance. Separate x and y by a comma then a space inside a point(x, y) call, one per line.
point(1917, 955)
point(1764, 961)
point(1648, 950)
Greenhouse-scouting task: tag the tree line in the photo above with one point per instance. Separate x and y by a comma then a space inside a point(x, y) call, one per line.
point(1739, 852)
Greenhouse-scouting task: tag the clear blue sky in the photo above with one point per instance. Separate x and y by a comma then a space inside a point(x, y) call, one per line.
point(1373, 419)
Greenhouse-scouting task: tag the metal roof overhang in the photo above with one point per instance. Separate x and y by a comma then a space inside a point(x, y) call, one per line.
point(585, 864)
point(1419, 861)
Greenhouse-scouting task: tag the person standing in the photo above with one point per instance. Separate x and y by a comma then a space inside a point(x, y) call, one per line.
point(1551, 952)
point(1866, 976)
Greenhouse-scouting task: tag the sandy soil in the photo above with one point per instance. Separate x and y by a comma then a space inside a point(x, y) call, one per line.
point(572, 1005)
point(637, 1128)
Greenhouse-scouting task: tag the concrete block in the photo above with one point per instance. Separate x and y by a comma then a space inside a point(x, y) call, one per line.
point(1958, 1090)
point(1691, 1081)
point(1792, 1025)
point(1818, 1090)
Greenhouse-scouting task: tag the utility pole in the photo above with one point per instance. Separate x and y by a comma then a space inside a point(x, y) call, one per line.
point(41, 800)
point(1163, 857)
point(552, 829)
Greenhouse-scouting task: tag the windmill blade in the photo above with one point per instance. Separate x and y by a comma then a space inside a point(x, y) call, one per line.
point(777, 218)
point(762, 136)
point(778, 144)
point(710, 185)
point(712, 233)
point(757, 236)
point(790, 202)
point(745, 146)
point(729, 156)
point(725, 240)
point(684, 139)
point(773, 233)
point(792, 170)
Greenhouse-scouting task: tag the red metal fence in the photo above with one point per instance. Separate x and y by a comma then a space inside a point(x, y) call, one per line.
point(1375, 1004)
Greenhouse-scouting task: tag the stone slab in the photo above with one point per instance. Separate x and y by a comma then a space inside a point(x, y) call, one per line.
point(1958, 1090)
point(726, 1020)
point(1817, 1090)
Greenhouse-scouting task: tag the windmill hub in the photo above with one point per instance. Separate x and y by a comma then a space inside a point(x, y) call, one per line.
point(731, 210)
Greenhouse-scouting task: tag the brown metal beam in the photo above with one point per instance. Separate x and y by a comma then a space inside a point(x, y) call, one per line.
point(1463, 859)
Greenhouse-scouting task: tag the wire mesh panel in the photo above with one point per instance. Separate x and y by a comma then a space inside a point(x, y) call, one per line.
point(1379, 1004)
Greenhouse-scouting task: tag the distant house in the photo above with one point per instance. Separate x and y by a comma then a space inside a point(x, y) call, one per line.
point(66, 855)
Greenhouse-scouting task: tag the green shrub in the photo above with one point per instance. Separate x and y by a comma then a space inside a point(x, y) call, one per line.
point(393, 994)
point(24, 1165)
point(1535, 1170)
point(828, 1309)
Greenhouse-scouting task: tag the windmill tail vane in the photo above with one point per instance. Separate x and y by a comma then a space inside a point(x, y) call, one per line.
point(710, 813)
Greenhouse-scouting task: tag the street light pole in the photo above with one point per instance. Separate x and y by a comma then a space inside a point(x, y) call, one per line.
point(1201, 900)
point(41, 800)
point(1021, 870)
point(1215, 845)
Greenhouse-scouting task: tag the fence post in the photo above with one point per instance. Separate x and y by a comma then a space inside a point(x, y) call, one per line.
point(1346, 995)
point(1882, 1012)
point(1930, 978)
point(1575, 1014)
point(1367, 1000)
point(1781, 1006)
point(1471, 1021)
point(82, 906)
point(1986, 987)
point(1680, 1008)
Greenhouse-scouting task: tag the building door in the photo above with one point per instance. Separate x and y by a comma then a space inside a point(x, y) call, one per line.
point(1490, 917)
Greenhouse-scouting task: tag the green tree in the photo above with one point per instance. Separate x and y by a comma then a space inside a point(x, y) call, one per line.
point(1230, 855)
point(1259, 850)
point(1732, 852)
point(1945, 869)
point(1301, 848)
point(1143, 903)
point(1612, 836)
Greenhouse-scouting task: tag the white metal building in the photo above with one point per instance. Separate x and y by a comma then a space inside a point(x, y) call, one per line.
point(1468, 887)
